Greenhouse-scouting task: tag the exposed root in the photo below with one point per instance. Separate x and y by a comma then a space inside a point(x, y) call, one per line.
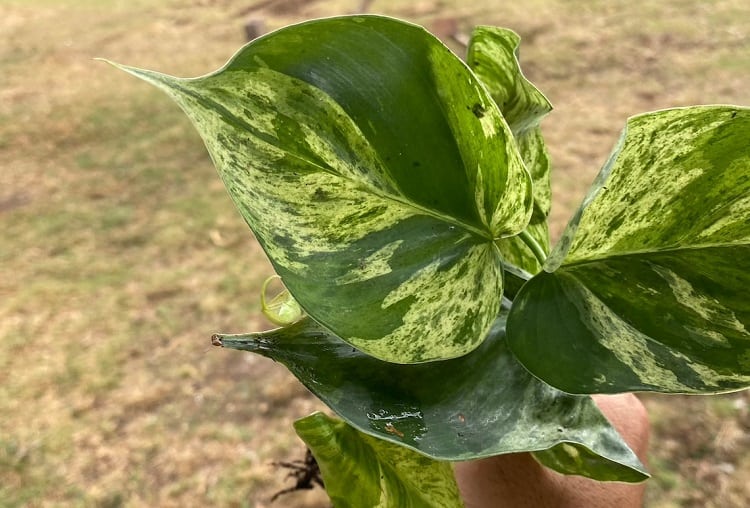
point(306, 473)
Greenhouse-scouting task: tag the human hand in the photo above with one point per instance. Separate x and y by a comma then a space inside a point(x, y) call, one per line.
point(517, 480)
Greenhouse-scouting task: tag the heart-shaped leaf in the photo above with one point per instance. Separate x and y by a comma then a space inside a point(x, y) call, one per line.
point(360, 470)
point(648, 287)
point(493, 56)
point(376, 172)
point(479, 405)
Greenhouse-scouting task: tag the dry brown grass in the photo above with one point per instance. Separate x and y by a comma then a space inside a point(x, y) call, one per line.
point(121, 253)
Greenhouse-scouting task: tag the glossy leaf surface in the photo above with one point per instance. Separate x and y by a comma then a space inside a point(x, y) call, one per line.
point(482, 404)
point(360, 470)
point(375, 170)
point(648, 288)
point(493, 56)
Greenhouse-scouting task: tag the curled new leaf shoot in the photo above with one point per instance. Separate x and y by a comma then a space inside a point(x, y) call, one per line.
point(282, 309)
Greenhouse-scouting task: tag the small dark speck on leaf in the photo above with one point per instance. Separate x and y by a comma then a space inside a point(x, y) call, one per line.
point(478, 110)
point(734, 114)
point(416, 164)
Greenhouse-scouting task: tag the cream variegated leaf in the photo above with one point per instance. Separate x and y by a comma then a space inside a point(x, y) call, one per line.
point(493, 56)
point(360, 470)
point(376, 172)
point(647, 289)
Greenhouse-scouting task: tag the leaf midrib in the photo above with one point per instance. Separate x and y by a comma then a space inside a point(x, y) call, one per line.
point(592, 260)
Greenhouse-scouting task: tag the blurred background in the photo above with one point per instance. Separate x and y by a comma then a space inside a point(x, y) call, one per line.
point(121, 254)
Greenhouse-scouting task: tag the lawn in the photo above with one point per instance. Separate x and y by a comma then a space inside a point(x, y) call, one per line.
point(121, 253)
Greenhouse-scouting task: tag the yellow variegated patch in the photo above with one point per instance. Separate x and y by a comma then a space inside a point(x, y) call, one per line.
point(359, 470)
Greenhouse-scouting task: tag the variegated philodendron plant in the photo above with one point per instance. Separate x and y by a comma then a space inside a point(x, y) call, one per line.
point(402, 196)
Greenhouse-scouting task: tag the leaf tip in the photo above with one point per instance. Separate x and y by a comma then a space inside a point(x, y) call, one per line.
point(157, 79)
point(116, 65)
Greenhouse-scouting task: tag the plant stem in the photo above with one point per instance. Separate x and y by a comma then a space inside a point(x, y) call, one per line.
point(534, 246)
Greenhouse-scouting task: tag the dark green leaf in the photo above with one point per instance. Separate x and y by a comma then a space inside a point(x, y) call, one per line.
point(493, 56)
point(649, 284)
point(362, 471)
point(479, 405)
point(375, 171)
